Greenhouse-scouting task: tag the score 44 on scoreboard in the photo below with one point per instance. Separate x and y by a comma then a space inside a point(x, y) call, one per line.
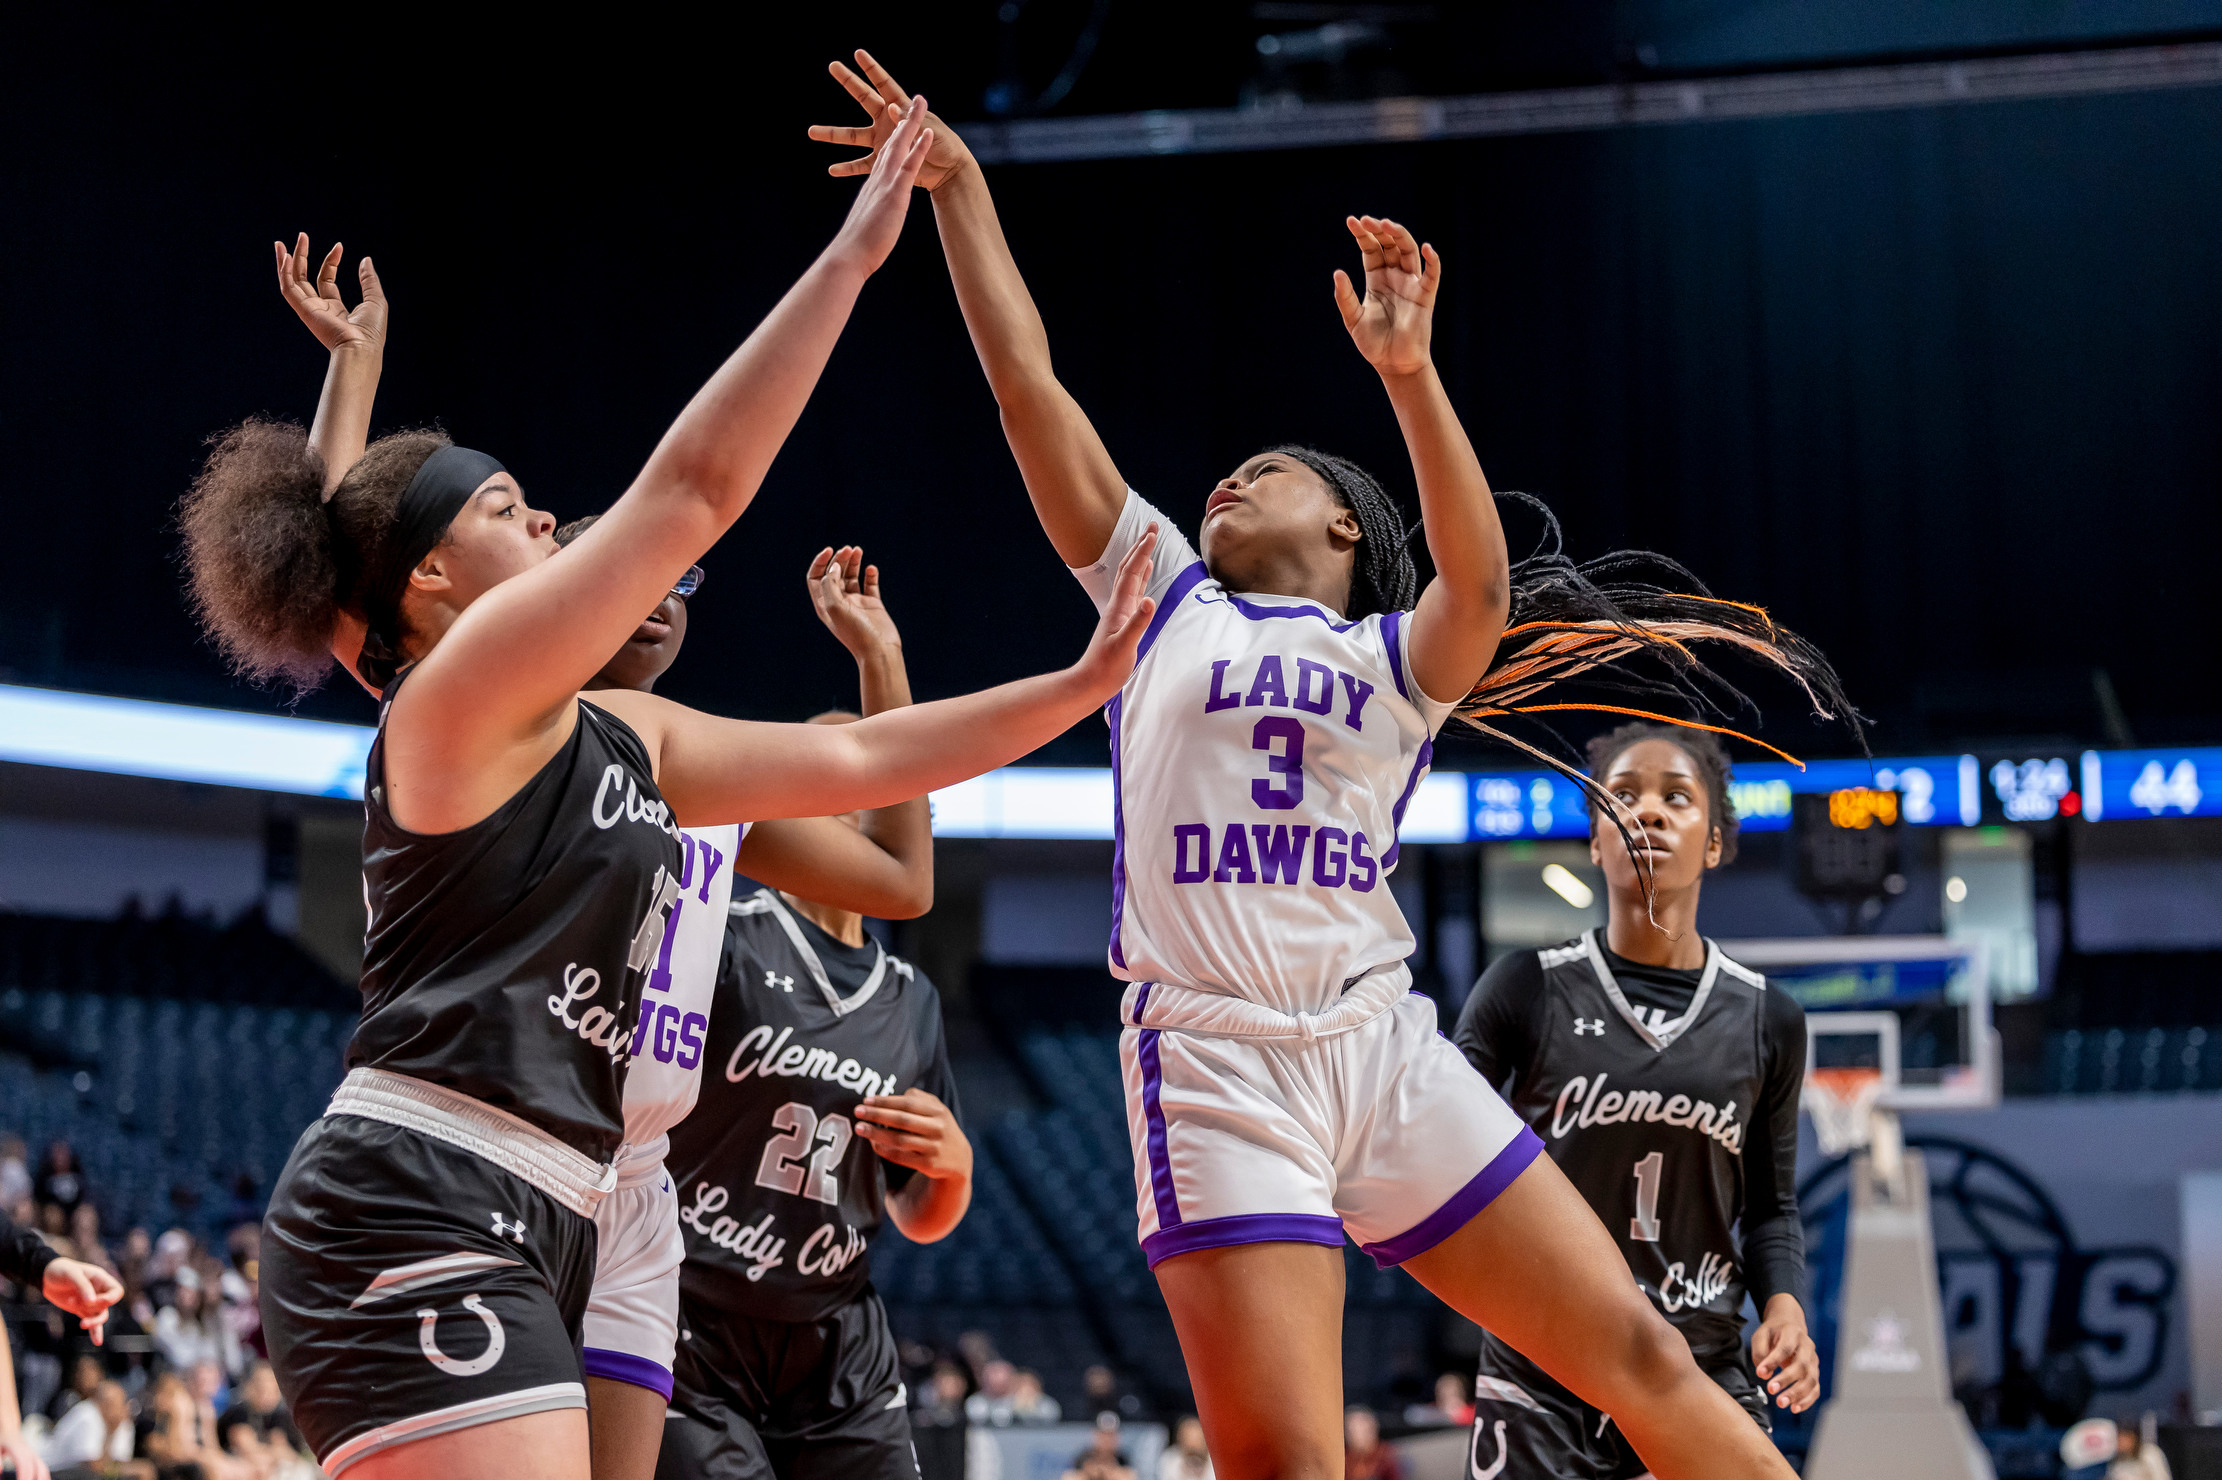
point(1926, 791)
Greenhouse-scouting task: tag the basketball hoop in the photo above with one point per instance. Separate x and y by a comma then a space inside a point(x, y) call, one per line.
point(1842, 1103)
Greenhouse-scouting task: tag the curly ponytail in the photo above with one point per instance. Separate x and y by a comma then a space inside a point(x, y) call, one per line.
point(261, 571)
point(269, 561)
point(1384, 577)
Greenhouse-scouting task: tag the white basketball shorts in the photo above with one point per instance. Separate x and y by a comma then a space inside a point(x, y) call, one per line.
point(632, 1317)
point(1253, 1126)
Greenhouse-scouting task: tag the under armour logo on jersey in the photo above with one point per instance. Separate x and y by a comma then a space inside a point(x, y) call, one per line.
point(514, 1231)
point(776, 982)
point(1589, 1025)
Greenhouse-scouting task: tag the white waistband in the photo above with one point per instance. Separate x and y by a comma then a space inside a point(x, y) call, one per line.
point(1217, 1015)
point(639, 1165)
point(516, 1146)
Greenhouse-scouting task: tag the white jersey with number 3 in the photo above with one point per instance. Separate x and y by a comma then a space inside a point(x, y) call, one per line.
point(1263, 753)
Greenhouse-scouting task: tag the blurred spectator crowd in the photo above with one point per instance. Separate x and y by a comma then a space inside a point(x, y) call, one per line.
point(180, 1388)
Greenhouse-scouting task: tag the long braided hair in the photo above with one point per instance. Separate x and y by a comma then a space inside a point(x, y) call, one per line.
point(1626, 623)
point(1384, 578)
point(1630, 623)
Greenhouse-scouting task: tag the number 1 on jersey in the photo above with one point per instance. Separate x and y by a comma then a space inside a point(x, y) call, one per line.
point(1644, 1227)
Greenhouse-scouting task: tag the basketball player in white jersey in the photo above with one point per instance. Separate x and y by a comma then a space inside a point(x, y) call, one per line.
point(1284, 1086)
point(883, 868)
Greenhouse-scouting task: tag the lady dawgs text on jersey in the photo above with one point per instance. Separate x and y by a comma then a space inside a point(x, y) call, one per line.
point(778, 1195)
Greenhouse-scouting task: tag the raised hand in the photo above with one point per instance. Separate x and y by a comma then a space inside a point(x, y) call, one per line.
point(846, 593)
point(1126, 616)
point(320, 306)
point(875, 220)
point(1393, 323)
point(883, 101)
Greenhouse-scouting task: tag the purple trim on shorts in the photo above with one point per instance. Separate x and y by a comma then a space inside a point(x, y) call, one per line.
point(1174, 595)
point(625, 1367)
point(1390, 623)
point(1245, 1228)
point(1464, 1203)
point(1258, 613)
point(1153, 1115)
point(1419, 769)
point(1118, 839)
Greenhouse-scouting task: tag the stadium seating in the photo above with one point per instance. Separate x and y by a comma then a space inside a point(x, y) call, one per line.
point(180, 1061)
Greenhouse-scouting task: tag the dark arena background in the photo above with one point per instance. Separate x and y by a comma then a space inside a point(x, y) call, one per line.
point(1904, 321)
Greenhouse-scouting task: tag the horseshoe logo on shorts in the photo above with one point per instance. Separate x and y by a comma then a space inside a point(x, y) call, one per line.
point(495, 1340)
point(1504, 1452)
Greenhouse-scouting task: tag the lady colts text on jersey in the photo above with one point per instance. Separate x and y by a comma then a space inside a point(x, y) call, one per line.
point(1263, 753)
point(507, 960)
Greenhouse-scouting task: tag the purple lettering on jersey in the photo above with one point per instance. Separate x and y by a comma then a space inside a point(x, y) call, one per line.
point(1360, 858)
point(686, 862)
point(667, 1030)
point(1306, 671)
point(1322, 859)
point(1234, 858)
point(1199, 834)
point(1359, 691)
point(641, 1025)
point(1280, 852)
point(713, 860)
point(1288, 762)
point(1268, 681)
point(690, 1039)
point(1218, 700)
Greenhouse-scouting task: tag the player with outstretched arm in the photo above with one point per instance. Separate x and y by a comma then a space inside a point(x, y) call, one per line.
point(1284, 1085)
point(878, 863)
point(430, 1245)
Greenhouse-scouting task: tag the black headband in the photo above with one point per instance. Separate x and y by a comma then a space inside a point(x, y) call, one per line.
point(420, 521)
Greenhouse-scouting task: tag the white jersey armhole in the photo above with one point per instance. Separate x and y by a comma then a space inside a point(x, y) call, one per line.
point(1395, 630)
point(1174, 554)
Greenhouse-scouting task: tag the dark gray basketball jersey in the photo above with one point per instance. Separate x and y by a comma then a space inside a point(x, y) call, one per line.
point(1648, 1118)
point(778, 1195)
point(505, 960)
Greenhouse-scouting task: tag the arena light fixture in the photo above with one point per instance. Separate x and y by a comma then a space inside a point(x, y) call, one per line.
point(1563, 882)
point(306, 757)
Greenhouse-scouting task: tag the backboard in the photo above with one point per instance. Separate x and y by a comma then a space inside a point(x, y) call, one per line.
point(1915, 1007)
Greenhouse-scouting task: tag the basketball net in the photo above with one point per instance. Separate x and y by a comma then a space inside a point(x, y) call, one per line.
point(1847, 1114)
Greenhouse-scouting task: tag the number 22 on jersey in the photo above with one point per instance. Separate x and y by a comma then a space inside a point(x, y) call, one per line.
point(782, 1168)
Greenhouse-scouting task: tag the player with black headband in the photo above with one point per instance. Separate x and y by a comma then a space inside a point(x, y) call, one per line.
point(1285, 1089)
point(430, 1244)
point(880, 864)
point(1663, 1078)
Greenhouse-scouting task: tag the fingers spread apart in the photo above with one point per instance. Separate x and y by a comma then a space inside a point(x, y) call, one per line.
point(885, 82)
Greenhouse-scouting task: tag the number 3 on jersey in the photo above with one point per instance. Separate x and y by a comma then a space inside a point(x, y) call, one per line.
point(782, 1167)
point(1286, 762)
point(1644, 1227)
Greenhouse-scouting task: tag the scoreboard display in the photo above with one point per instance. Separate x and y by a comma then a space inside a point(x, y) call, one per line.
point(1849, 843)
